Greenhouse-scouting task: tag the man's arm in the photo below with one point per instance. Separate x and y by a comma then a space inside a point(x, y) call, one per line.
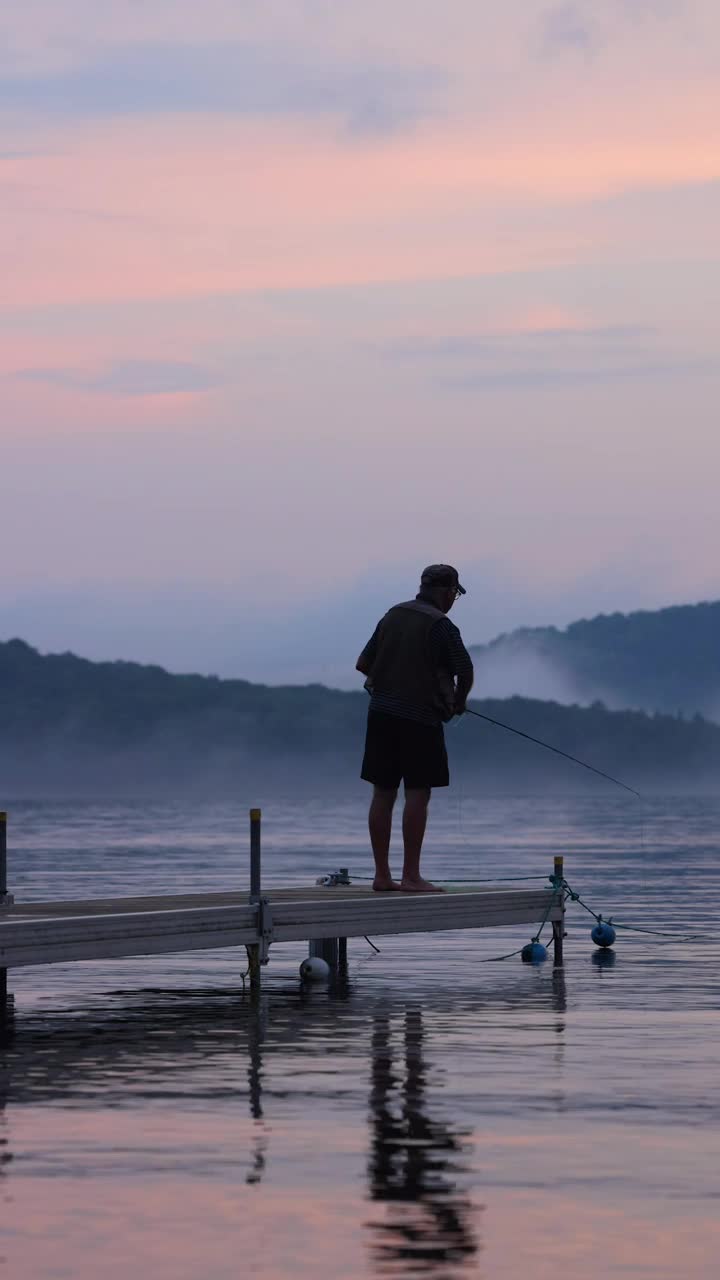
point(367, 657)
point(450, 652)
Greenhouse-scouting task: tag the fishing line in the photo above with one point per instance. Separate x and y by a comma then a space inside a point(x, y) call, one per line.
point(566, 754)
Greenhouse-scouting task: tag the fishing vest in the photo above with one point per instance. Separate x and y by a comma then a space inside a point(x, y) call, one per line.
point(403, 666)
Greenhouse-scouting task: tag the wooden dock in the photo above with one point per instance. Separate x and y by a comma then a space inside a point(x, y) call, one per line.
point(35, 933)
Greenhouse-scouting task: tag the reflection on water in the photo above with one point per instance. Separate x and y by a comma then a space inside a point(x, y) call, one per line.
point(415, 1163)
point(257, 1018)
point(429, 1115)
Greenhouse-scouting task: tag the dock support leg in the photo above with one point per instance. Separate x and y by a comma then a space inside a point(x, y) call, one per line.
point(342, 955)
point(558, 928)
point(327, 949)
point(253, 951)
point(6, 900)
point(253, 955)
point(7, 1002)
point(255, 856)
point(3, 856)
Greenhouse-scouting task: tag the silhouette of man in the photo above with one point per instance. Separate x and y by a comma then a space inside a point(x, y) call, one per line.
point(419, 675)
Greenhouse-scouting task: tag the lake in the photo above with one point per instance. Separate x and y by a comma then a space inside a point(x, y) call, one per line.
point(438, 1114)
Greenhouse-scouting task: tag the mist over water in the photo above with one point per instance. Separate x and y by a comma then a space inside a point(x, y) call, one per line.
point(526, 675)
point(435, 1115)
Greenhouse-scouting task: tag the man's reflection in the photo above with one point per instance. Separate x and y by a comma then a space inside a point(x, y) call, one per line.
point(257, 1019)
point(414, 1165)
point(6, 1036)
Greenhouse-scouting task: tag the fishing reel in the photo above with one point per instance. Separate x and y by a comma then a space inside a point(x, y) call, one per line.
point(333, 878)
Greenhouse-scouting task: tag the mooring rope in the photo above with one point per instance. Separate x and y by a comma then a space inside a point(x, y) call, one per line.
point(510, 954)
point(482, 960)
point(475, 880)
point(572, 896)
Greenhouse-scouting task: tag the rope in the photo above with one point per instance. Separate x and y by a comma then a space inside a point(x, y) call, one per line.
point(571, 896)
point(486, 880)
point(509, 956)
point(484, 960)
point(549, 908)
point(660, 933)
point(495, 880)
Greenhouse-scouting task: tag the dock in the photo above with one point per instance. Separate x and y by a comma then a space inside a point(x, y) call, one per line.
point(324, 915)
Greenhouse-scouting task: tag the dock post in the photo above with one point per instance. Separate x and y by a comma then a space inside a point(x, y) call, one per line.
point(327, 950)
point(253, 951)
point(6, 900)
point(342, 942)
point(255, 868)
point(558, 928)
point(332, 950)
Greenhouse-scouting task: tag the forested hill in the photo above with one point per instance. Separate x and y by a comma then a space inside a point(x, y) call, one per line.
point(667, 660)
point(85, 726)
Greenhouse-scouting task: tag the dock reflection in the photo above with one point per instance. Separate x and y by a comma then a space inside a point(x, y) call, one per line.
point(216, 1049)
point(416, 1163)
point(256, 1027)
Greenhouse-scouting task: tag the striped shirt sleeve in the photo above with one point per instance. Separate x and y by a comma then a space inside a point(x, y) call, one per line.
point(448, 651)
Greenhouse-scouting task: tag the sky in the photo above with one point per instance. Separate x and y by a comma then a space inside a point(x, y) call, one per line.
point(300, 296)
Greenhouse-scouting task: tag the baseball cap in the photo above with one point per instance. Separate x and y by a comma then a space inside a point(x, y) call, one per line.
point(441, 575)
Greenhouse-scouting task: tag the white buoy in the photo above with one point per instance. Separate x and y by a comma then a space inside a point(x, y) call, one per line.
point(314, 969)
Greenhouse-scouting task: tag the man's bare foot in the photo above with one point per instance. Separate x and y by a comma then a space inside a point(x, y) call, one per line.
point(385, 886)
point(419, 886)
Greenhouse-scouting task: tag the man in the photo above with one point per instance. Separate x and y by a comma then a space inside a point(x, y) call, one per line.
point(419, 674)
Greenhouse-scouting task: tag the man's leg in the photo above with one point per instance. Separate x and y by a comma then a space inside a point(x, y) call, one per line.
point(380, 827)
point(414, 823)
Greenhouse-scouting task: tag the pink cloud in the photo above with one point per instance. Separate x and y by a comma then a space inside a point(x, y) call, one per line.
point(171, 209)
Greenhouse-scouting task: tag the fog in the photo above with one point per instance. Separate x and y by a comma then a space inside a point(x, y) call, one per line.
point(283, 638)
point(526, 674)
point(182, 761)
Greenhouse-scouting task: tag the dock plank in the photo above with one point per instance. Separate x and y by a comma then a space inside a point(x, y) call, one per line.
point(172, 902)
point(103, 928)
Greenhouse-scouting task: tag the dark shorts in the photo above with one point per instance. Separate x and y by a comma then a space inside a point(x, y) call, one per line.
point(398, 750)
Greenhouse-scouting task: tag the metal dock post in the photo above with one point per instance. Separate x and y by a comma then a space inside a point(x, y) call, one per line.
point(255, 865)
point(558, 928)
point(342, 942)
point(255, 886)
point(258, 951)
point(6, 900)
point(332, 950)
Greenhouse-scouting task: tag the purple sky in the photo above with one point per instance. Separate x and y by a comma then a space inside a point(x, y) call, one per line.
point(297, 298)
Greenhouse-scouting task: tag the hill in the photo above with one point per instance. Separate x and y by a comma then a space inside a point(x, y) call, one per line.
point(84, 726)
point(667, 660)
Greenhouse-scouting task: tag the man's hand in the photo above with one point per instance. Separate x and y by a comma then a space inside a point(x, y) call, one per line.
point(462, 690)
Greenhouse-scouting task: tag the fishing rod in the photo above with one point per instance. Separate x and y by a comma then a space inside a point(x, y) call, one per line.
point(558, 752)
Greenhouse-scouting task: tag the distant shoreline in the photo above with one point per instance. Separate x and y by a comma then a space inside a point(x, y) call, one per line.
point(73, 725)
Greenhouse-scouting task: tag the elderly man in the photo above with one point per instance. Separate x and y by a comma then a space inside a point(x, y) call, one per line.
point(419, 674)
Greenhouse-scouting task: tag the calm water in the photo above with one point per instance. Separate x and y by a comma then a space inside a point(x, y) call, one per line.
point(435, 1116)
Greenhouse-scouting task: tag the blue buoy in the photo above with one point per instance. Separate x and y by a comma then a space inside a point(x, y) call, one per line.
point(533, 952)
point(603, 934)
